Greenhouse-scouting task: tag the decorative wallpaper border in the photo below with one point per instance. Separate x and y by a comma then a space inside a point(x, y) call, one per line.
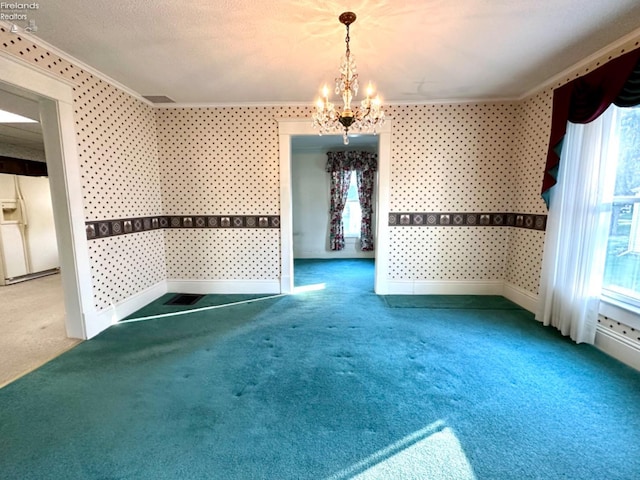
point(112, 228)
point(472, 219)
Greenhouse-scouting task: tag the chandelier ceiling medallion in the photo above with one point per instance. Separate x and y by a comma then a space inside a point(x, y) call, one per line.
point(365, 118)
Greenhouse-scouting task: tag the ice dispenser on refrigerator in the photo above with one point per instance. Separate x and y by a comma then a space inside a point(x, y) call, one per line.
point(28, 245)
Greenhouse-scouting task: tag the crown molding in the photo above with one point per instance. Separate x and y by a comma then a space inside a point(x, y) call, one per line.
point(232, 105)
point(455, 101)
point(311, 105)
point(62, 54)
point(571, 71)
point(66, 56)
point(31, 66)
point(630, 37)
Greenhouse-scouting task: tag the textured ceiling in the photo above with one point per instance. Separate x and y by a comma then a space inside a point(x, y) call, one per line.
point(27, 135)
point(278, 51)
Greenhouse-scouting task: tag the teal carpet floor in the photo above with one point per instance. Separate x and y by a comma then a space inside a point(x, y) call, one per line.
point(331, 383)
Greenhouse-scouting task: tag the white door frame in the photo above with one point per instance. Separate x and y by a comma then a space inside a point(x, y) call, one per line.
point(290, 127)
point(55, 96)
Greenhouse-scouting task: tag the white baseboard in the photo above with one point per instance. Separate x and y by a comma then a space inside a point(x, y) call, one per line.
point(444, 287)
point(618, 346)
point(223, 286)
point(286, 284)
point(520, 296)
point(324, 255)
point(109, 316)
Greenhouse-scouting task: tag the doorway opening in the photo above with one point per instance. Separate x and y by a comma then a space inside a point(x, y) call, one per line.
point(54, 98)
point(311, 199)
point(32, 311)
point(296, 132)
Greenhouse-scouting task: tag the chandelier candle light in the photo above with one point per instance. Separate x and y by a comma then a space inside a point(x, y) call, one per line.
point(365, 118)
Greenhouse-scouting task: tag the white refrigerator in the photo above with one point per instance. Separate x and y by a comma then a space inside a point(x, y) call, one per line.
point(28, 246)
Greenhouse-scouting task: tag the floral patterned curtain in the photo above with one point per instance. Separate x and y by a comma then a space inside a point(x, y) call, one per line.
point(340, 180)
point(340, 165)
point(366, 180)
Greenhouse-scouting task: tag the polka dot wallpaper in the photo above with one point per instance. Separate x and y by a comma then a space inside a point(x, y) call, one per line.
point(531, 140)
point(452, 158)
point(222, 161)
point(223, 254)
point(629, 45)
point(630, 333)
point(448, 253)
point(126, 265)
point(117, 150)
point(219, 161)
point(532, 137)
point(524, 253)
point(143, 162)
point(525, 247)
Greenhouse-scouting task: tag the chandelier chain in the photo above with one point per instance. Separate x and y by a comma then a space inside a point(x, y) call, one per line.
point(346, 40)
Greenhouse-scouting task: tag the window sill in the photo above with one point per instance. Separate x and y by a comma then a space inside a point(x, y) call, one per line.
point(620, 312)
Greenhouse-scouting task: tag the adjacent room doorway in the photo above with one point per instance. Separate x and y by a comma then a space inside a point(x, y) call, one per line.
point(296, 132)
point(55, 100)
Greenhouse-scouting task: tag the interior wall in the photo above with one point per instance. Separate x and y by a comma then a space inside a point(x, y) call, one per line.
point(613, 335)
point(311, 199)
point(117, 151)
point(146, 170)
point(223, 162)
point(525, 247)
point(454, 159)
point(220, 183)
point(450, 161)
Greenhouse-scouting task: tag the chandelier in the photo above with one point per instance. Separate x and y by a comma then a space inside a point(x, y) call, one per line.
point(365, 118)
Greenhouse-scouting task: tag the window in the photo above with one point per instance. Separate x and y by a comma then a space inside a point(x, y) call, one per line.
point(352, 215)
point(622, 268)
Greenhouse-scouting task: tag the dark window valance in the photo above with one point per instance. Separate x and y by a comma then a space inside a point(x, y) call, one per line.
point(352, 160)
point(585, 99)
point(19, 166)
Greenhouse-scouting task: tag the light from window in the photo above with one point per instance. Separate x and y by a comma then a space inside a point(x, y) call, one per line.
point(622, 268)
point(352, 215)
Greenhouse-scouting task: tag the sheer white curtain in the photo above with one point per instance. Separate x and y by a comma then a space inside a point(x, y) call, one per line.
point(577, 229)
